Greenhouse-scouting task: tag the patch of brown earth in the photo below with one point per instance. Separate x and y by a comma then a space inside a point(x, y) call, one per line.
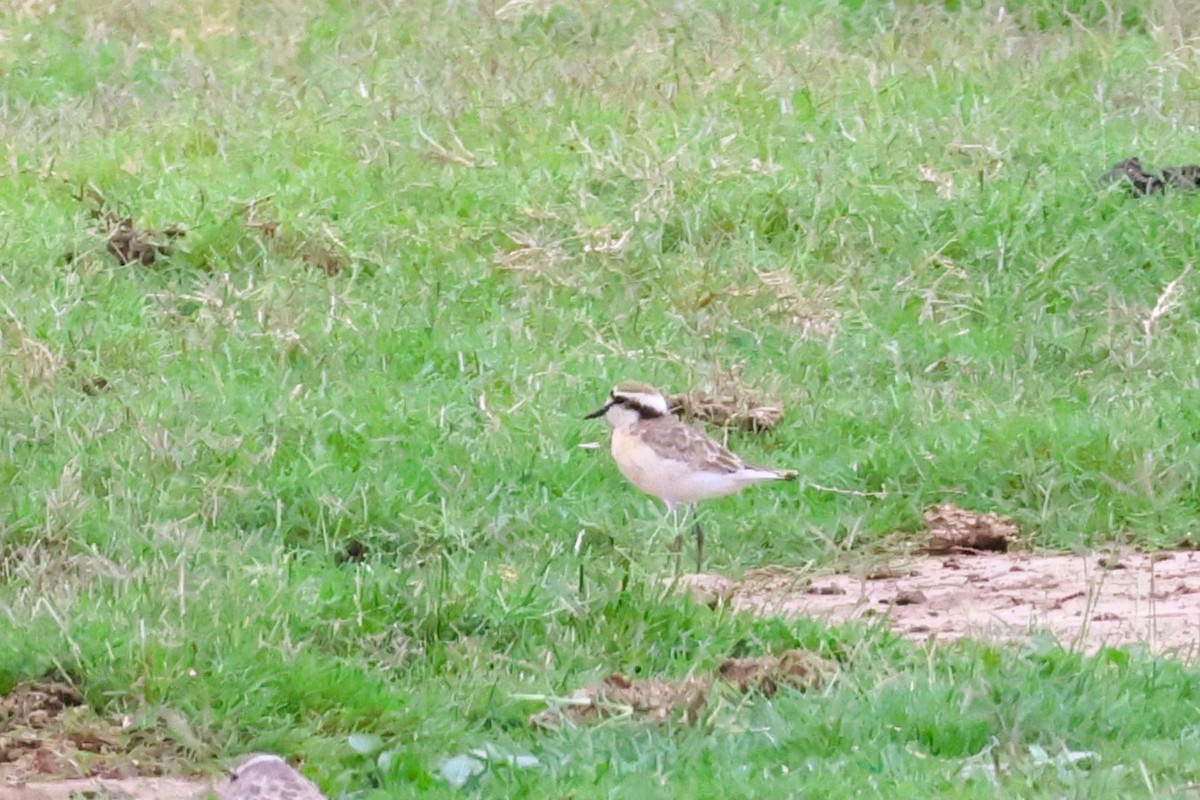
point(1085, 601)
point(658, 701)
point(47, 733)
point(101, 789)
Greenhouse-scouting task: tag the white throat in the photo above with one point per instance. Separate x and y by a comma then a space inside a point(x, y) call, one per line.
point(620, 416)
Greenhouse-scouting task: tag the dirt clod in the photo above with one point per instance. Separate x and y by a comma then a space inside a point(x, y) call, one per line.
point(707, 589)
point(126, 242)
point(323, 257)
point(657, 701)
point(92, 386)
point(797, 668)
point(38, 705)
point(354, 552)
point(129, 244)
point(653, 701)
point(884, 573)
point(959, 530)
point(48, 733)
point(323, 251)
point(727, 408)
point(1142, 182)
point(909, 597)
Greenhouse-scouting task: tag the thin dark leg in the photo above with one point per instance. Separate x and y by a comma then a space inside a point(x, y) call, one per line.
point(699, 546)
point(677, 545)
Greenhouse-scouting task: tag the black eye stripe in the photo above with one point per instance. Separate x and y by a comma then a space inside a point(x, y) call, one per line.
point(633, 404)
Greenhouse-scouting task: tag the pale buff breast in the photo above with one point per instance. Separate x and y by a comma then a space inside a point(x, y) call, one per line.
point(674, 482)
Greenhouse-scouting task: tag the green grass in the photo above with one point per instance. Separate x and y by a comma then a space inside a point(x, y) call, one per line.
point(533, 202)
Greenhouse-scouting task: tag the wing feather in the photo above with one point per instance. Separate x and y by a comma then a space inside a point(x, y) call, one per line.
point(679, 441)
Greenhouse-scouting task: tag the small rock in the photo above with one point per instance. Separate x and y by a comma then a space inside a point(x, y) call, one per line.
point(909, 597)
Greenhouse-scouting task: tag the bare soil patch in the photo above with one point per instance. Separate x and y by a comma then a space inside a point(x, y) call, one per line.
point(964, 582)
point(102, 789)
point(52, 747)
point(1085, 601)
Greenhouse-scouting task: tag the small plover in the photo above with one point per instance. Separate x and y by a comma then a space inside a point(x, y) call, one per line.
point(665, 457)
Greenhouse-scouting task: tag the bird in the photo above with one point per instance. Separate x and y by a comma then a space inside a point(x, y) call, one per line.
point(671, 460)
point(266, 776)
